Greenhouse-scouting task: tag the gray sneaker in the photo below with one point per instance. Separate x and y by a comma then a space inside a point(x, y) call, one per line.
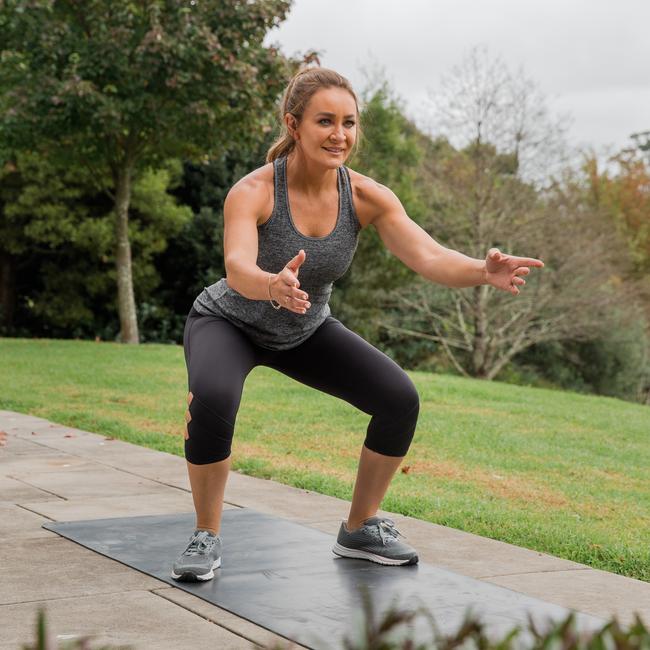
point(202, 555)
point(376, 541)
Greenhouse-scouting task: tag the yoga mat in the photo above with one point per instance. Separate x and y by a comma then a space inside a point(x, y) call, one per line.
point(283, 576)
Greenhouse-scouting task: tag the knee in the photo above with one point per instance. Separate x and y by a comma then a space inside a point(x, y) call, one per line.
point(400, 401)
point(208, 435)
point(391, 429)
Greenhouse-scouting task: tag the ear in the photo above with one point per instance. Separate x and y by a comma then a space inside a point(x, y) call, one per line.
point(292, 125)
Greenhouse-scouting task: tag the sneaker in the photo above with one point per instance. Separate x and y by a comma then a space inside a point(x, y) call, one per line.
point(202, 555)
point(376, 541)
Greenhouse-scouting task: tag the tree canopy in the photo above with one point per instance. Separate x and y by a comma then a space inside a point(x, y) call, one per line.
point(116, 87)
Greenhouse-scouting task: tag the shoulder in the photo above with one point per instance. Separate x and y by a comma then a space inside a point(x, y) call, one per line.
point(371, 199)
point(257, 188)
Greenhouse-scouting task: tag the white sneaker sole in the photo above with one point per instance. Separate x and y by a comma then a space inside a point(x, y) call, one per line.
point(191, 576)
point(357, 553)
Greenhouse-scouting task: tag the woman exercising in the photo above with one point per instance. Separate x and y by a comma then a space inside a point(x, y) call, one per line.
point(291, 228)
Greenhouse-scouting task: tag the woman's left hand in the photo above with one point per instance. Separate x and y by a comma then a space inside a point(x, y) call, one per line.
point(502, 271)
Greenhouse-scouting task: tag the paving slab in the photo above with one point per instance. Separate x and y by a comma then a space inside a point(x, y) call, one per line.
point(35, 461)
point(17, 445)
point(293, 503)
point(57, 568)
point(13, 490)
point(99, 481)
point(12, 418)
point(106, 450)
point(601, 593)
point(105, 507)
point(137, 619)
point(17, 523)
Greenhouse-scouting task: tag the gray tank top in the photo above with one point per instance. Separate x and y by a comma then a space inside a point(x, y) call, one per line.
point(279, 240)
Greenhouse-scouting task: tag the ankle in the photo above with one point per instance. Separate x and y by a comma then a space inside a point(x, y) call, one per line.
point(213, 531)
point(353, 525)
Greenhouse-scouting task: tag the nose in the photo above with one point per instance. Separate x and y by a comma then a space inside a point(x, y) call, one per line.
point(338, 134)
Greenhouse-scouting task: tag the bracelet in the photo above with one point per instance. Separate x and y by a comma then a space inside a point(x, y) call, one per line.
point(271, 297)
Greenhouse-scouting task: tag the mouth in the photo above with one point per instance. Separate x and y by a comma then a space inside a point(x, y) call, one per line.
point(333, 150)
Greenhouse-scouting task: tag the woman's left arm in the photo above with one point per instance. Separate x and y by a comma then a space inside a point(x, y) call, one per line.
point(436, 263)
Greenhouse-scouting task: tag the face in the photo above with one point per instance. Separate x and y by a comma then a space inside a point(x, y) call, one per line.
point(328, 128)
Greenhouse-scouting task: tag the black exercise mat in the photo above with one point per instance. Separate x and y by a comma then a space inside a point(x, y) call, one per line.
point(283, 576)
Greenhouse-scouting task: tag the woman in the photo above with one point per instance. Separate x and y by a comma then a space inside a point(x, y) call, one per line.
point(291, 229)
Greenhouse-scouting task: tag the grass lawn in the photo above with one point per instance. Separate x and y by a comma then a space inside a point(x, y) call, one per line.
point(558, 472)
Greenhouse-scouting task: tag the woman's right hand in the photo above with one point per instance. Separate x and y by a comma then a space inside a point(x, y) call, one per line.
point(285, 287)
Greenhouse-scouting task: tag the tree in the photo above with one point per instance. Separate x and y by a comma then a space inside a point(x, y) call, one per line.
point(482, 101)
point(119, 87)
point(482, 199)
point(624, 194)
point(57, 245)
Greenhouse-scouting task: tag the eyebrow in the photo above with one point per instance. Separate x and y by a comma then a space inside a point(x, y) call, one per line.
point(333, 114)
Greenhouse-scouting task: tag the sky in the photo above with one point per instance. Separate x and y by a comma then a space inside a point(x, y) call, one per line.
point(589, 58)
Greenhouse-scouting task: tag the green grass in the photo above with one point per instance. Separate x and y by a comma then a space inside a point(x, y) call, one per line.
point(559, 472)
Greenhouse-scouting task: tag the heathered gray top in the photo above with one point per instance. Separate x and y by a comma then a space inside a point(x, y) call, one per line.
point(279, 240)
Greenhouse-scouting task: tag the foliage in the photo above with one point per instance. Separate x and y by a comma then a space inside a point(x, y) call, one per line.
point(46, 641)
point(616, 364)
point(390, 155)
point(154, 80)
point(393, 630)
point(56, 230)
point(479, 197)
point(120, 87)
point(625, 196)
point(194, 257)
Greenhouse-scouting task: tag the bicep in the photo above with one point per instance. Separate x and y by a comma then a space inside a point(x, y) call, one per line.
point(402, 236)
point(240, 211)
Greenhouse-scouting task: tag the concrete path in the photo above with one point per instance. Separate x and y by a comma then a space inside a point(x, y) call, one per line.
point(50, 472)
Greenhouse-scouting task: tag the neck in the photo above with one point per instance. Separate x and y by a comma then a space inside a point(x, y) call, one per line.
point(309, 177)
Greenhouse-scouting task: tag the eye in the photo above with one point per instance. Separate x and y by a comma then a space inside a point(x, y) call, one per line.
point(326, 119)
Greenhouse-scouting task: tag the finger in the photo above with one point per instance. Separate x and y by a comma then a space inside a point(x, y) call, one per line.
point(522, 270)
point(518, 280)
point(293, 290)
point(290, 279)
point(528, 261)
point(299, 299)
point(296, 305)
point(295, 263)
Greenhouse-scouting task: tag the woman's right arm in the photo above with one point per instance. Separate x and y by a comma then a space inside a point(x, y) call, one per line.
point(244, 202)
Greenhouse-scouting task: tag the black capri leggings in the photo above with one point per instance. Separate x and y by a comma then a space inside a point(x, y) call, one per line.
point(333, 359)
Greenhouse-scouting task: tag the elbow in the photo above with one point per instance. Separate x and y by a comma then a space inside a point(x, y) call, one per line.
point(231, 275)
point(231, 281)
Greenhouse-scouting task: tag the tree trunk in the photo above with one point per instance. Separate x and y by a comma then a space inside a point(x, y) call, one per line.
point(125, 296)
point(481, 335)
point(7, 290)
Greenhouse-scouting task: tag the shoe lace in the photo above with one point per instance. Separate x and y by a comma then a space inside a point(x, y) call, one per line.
point(388, 532)
point(198, 544)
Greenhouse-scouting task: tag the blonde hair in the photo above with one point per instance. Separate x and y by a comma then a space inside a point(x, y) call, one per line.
point(296, 96)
